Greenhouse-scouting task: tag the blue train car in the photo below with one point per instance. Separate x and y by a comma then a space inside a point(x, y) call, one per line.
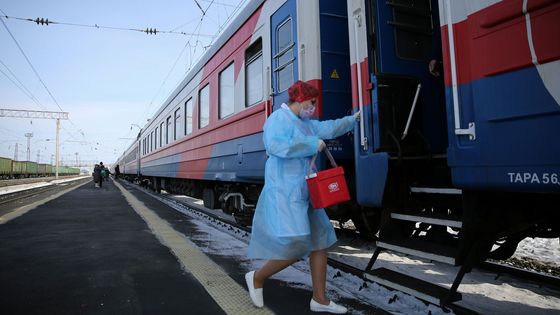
point(456, 157)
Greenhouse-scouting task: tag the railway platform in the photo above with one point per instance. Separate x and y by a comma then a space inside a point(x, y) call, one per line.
point(114, 250)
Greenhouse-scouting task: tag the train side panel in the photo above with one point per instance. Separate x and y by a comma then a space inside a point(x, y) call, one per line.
point(5, 167)
point(502, 74)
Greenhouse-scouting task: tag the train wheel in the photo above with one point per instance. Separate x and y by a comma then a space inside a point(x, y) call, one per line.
point(244, 218)
point(227, 207)
point(210, 198)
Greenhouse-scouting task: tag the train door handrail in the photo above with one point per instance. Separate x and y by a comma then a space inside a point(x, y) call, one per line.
point(470, 131)
point(357, 24)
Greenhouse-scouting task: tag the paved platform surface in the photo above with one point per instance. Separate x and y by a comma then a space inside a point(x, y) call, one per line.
point(111, 251)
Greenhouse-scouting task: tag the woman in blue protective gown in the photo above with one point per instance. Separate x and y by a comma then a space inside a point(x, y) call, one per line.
point(285, 226)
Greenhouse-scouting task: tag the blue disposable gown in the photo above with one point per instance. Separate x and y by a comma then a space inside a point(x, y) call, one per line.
point(285, 225)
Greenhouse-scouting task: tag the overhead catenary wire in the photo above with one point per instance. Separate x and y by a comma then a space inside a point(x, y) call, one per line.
point(198, 5)
point(31, 65)
point(147, 30)
point(189, 45)
point(148, 108)
point(221, 3)
point(21, 86)
point(37, 75)
point(194, 39)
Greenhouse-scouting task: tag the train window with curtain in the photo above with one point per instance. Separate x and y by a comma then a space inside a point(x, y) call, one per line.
point(227, 92)
point(188, 116)
point(178, 126)
point(169, 130)
point(254, 74)
point(161, 136)
point(156, 139)
point(285, 57)
point(204, 106)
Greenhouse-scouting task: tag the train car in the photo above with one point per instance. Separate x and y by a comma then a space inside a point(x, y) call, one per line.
point(31, 169)
point(19, 169)
point(5, 168)
point(456, 149)
point(130, 161)
point(206, 139)
point(72, 171)
point(63, 170)
point(49, 170)
point(41, 169)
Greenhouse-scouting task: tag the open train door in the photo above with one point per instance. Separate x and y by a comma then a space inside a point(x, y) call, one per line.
point(405, 37)
point(403, 135)
point(392, 43)
point(284, 52)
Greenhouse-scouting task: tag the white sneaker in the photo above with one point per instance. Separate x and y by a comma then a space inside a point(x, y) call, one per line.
point(255, 294)
point(331, 308)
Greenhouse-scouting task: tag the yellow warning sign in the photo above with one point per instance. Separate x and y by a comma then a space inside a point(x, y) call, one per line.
point(334, 74)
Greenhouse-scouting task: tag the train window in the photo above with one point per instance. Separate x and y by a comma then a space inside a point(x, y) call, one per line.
point(152, 141)
point(285, 58)
point(188, 116)
point(227, 93)
point(178, 127)
point(161, 136)
point(254, 74)
point(204, 106)
point(169, 131)
point(156, 138)
point(412, 21)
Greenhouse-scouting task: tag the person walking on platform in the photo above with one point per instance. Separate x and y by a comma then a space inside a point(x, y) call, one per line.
point(285, 227)
point(117, 171)
point(104, 171)
point(97, 175)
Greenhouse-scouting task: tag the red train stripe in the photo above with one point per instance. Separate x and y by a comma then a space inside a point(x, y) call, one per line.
point(495, 40)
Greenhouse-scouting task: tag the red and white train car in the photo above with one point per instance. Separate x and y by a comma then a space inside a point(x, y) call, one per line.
point(206, 139)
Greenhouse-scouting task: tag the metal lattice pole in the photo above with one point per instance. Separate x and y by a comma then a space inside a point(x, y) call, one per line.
point(17, 113)
point(29, 135)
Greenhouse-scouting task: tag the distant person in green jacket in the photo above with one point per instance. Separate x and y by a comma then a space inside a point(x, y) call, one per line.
point(104, 171)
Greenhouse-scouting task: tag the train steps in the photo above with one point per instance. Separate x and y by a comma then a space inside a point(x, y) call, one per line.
point(431, 248)
point(419, 288)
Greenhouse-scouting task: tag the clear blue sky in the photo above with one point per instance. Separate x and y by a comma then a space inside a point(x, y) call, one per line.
point(106, 79)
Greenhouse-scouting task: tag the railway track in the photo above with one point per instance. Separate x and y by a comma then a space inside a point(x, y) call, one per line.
point(31, 180)
point(23, 194)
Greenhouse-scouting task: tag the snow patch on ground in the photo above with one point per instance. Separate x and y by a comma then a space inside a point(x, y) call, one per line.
point(482, 291)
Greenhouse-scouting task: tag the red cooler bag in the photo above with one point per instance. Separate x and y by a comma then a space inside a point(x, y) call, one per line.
point(328, 187)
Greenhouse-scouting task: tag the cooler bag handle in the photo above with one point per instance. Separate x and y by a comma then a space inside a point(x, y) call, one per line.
point(329, 156)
